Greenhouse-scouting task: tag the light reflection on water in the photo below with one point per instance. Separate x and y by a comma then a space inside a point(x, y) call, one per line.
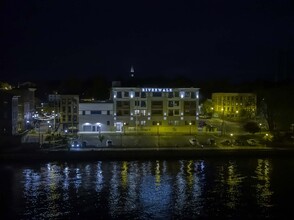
point(145, 189)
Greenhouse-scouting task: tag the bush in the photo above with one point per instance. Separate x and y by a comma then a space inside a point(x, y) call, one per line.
point(251, 127)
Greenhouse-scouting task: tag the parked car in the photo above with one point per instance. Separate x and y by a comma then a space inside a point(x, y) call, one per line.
point(252, 142)
point(239, 142)
point(195, 142)
point(75, 144)
point(108, 143)
point(227, 143)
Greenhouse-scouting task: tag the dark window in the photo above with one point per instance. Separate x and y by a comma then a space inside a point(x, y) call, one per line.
point(95, 112)
point(108, 122)
point(137, 94)
point(177, 94)
point(156, 94)
point(156, 112)
point(126, 94)
point(84, 112)
point(108, 112)
point(143, 103)
point(143, 94)
point(170, 95)
point(118, 94)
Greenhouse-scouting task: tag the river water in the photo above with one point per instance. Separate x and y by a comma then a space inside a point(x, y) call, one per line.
point(242, 188)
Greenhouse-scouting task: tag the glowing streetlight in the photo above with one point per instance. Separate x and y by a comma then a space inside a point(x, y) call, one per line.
point(190, 127)
point(232, 138)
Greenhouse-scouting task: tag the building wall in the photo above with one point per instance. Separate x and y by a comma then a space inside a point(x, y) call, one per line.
point(69, 112)
point(137, 108)
point(95, 117)
point(234, 104)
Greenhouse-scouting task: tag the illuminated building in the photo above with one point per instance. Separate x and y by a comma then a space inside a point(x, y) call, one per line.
point(96, 116)
point(143, 108)
point(69, 112)
point(234, 104)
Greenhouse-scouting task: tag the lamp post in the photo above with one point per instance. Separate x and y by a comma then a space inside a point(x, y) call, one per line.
point(190, 127)
point(157, 134)
point(232, 138)
point(39, 123)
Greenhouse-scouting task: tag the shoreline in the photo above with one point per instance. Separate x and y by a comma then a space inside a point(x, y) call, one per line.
point(142, 154)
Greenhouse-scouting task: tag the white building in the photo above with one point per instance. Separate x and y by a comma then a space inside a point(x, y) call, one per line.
point(95, 117)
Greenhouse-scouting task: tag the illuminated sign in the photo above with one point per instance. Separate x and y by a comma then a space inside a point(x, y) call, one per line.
point(157, 90)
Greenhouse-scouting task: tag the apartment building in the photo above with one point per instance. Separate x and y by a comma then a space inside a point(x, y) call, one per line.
point(143, 108)
point(234, 104)
point(69, 112)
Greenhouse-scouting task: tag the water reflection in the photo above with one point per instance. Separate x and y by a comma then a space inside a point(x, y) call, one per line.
point(145, 189)
point(263, 186)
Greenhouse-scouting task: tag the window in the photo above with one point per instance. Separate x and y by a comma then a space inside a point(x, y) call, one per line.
point(143, 103)
point(156, 94)
point(176, 94)
point(95, 112)
point(143, 94)
point(84, 112)
point(137, 94)
point(156, 112)
point(108, 112)
point(170, 95)
point(170, 112)
point(176, 112)
point(173, 103)
point(126, 94)
point(119, 95)
point(108, 122)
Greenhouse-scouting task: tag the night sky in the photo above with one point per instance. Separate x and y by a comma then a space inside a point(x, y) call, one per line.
point(203, 39)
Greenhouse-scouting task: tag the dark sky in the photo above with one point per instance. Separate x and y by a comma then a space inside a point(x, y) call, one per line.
point(201, 39)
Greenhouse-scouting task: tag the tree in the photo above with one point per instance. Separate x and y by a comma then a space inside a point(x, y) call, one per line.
point(252, 127)
point(207, 107)
point(101, 138)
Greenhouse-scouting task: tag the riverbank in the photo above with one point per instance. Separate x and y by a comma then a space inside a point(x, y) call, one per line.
point(142, 153)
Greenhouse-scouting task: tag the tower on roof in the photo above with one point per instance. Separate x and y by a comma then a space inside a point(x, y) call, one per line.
point(132, 71)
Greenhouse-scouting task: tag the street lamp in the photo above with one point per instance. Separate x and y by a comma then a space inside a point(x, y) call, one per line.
point(190, 127)
point(124, 128)
point(232, 138)
point(158, 134)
